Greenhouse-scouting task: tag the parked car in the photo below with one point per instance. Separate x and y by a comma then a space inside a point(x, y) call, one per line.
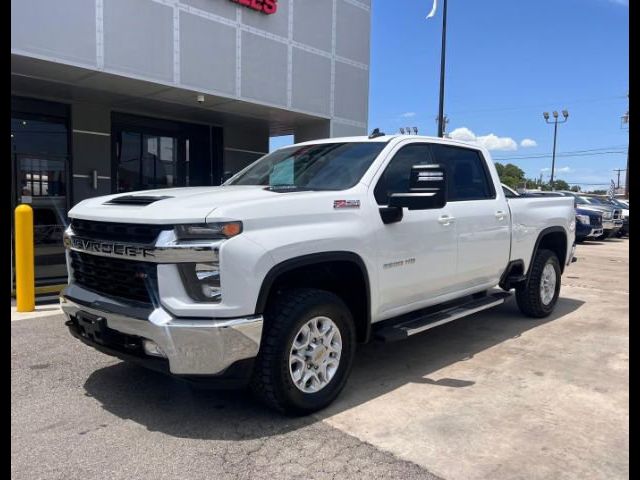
point(625, 215)
point(588, 221)
point(273, 278)
point(588, 224)
point(611, 215)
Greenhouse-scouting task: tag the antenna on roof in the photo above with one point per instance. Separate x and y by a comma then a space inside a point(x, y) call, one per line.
point(376, 133)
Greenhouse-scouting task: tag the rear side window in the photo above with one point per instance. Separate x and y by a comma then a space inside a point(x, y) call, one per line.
point(395, 178)
point(467, 175)
point(508, 193)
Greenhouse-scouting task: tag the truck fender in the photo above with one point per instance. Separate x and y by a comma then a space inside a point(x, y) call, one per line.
point(317, 259)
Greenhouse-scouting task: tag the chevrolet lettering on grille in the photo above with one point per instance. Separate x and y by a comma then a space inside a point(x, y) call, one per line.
point(109, 248)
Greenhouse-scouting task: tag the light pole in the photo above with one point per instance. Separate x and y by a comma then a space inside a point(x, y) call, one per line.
point(445, 121)
point(442, 65)
point(555, 121)
point(625, 121)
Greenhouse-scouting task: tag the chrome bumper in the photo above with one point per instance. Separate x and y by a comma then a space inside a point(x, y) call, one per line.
point(192, 347)
point(595, 232)
point(611, 224)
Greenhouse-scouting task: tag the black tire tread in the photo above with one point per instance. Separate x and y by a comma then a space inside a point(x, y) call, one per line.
point(280, 314)
point(528, 294)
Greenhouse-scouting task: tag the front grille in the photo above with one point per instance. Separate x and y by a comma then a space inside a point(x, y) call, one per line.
point(595, 220)
point(617, 214)
point(131, 232)
point(127, 279)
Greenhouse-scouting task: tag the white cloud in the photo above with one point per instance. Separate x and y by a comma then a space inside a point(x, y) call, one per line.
point(490, 142)
point(408, 114)
point(528, 143)
point(463, 134)
point(558, 170)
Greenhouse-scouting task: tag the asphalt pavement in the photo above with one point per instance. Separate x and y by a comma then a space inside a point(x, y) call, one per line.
point(79, 414)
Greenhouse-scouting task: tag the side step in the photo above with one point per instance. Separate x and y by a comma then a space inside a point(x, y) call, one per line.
point(411, 324)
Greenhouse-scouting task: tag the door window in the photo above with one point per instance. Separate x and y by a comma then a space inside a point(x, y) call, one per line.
point(395, 178)
point(467, 175)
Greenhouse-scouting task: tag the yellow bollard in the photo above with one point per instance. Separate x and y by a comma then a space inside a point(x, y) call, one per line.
point(25, 280)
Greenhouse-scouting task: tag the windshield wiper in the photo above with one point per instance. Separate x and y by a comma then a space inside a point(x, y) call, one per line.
point(295, 188)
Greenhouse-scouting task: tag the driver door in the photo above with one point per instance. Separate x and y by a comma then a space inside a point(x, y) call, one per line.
point(417, 255)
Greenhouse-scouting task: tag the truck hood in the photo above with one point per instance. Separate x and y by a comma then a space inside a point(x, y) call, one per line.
point(167, 206)
point(596, 208)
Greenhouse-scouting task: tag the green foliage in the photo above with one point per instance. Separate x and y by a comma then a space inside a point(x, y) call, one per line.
point(561, 185)
point(510, 175)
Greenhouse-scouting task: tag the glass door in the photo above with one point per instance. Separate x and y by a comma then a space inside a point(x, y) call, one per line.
point(145, 161)
point(40, 156)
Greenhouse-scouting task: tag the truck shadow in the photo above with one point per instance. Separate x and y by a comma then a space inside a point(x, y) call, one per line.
point(163, 404)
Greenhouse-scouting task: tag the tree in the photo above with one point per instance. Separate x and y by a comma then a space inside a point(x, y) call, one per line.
point(510, 175)
point(560, 185)
point(575, 188)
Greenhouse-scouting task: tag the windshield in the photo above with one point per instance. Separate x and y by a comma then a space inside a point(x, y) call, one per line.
point(619, 204)
point(581, 201)
point(588, 201)
point(325, 166)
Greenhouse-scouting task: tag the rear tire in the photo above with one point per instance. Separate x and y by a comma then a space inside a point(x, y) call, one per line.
point(538, 295)
point(278, 379)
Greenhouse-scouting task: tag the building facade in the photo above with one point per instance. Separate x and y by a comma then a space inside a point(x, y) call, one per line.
point(117, 95)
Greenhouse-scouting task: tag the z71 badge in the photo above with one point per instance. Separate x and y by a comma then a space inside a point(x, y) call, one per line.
point(346, 204)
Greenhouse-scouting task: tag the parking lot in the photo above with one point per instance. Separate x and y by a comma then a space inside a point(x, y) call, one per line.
point(491, 396)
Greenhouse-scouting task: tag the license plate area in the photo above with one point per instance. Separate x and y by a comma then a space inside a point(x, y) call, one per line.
point(92, 327)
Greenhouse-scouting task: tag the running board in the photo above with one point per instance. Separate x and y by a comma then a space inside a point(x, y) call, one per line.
point(410, 326)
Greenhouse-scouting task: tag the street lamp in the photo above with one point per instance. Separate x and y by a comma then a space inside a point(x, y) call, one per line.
point(445, 122)
point(441, 120)
point(555, 121)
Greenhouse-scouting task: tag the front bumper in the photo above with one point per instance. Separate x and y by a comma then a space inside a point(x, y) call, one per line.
point(191, 347)
point(595, 232)
point(609, 225)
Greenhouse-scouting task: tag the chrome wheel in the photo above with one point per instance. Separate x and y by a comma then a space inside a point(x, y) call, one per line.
point(315, 354)
point(548, 284)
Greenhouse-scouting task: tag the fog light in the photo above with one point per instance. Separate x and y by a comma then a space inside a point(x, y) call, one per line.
point(211, 292)
point(153, 349)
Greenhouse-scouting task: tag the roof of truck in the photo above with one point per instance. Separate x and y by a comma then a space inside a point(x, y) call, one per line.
point(387, 138)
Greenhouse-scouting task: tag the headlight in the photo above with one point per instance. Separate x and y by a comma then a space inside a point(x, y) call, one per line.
point(201, 281)
point(584, 219)
point(607, 215)
point(208, 231)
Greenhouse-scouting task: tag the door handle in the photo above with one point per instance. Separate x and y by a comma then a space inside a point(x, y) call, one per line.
point(500, 215)
point(445, 219)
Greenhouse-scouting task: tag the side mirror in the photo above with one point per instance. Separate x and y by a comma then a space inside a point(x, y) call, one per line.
point(427, 189)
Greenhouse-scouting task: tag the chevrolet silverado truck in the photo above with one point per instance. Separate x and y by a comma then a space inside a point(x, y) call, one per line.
point(272, 279)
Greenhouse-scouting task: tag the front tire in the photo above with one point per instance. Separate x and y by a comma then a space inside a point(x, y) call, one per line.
point(538, 295)
point(306, 353)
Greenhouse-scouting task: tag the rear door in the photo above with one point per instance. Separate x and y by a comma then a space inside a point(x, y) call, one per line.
point(480, 213)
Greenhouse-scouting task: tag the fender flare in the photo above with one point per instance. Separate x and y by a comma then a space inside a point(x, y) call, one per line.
point(543, 233)
point(314, 259)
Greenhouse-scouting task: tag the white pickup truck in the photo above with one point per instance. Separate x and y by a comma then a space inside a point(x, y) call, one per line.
point(272, 279)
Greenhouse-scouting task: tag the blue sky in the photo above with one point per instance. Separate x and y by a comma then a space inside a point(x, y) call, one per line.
point(507, 62)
